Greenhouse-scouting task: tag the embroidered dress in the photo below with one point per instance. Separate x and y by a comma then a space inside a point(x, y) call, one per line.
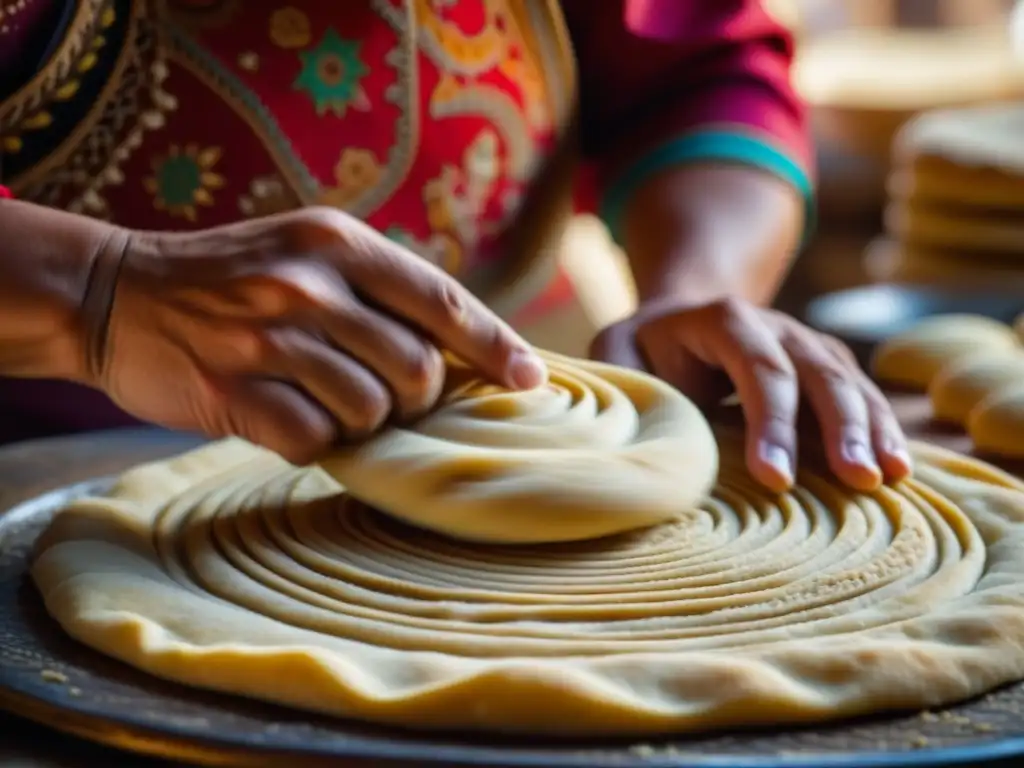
point(460, 128)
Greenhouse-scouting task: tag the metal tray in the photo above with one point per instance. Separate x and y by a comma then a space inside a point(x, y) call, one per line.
point(48, 678)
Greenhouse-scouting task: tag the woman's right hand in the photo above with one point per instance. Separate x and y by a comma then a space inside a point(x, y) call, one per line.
point(293, 331)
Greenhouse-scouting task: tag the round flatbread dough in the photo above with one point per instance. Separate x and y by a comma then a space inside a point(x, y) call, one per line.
point(599, 450)
point(996, 425)
point(230, 570)
point(959, 387)
point(913, 358)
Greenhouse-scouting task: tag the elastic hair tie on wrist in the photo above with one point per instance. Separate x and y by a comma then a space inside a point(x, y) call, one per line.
point(5, 193)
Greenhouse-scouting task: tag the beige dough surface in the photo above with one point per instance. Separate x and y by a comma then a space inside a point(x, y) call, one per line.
point(996, 425)
point(599, 450)
point(914, 357)
point(228, 569)
point(962, 385)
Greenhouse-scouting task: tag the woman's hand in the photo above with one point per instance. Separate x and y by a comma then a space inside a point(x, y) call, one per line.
point(772, 360)
point(293, 331)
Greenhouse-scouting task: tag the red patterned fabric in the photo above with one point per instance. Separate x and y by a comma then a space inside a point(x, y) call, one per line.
point(271, 106)
point(427, 118)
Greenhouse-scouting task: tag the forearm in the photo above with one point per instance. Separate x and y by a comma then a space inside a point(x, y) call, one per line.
point(46, 257)
point(705, 231)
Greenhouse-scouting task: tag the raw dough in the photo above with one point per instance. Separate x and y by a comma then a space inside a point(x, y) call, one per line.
point(959, 387)
point(996, 425)
point(600, 450)
point(230, 570)
point(913, 358)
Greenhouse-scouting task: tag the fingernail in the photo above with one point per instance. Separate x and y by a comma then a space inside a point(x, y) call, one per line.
point(898, 451)
point(779, 458)
point(526, 370)
point(856, 452)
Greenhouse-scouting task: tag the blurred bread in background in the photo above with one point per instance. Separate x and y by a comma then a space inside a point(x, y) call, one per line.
point(956, 196)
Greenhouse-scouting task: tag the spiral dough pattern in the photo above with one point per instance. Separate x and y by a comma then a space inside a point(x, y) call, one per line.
point(599, 450)
point(228, 569)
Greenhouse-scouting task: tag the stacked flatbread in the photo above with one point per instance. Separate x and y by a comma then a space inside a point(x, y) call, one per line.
point(865, 83)
point(956, 208)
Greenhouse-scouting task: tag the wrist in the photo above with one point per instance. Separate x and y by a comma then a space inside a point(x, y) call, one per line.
point(702, 233)
point(681, 278)
point(47, 259)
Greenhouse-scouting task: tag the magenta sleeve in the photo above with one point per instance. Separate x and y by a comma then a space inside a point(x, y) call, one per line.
point(671, 81)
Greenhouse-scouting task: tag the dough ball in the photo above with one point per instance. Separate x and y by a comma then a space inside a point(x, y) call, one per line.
point(600, 450)
point(912, 359)
point(996, 425)
point(960, 386)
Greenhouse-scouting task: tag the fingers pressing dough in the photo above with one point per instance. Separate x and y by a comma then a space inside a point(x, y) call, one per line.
point(913, 359)
point(964, 383)
point(598, 451)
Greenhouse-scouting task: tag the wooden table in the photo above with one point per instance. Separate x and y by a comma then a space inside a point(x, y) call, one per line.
point(24, 745)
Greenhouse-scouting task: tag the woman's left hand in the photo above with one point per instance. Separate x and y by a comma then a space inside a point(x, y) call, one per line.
point(772, 361)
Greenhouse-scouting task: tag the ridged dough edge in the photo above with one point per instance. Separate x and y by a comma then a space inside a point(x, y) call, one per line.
point(965, 647)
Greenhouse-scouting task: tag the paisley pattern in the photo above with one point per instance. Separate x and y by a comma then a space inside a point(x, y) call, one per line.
point(427, 118)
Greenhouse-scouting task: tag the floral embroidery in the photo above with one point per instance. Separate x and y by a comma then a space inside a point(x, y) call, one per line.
point(43, 119)
point(356, 171)
point(184, 179)
point(520, 71)
point(331, 75)
point(483, 166)
point(456, 199)
point(447, 89)
point(249, 61)
point(267, 195)
point(290, 28)
point(437, 196)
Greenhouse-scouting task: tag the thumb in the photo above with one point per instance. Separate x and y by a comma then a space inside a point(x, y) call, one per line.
point(616, 344)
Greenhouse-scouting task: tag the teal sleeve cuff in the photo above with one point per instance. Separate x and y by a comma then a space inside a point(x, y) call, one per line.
point(726, 146)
